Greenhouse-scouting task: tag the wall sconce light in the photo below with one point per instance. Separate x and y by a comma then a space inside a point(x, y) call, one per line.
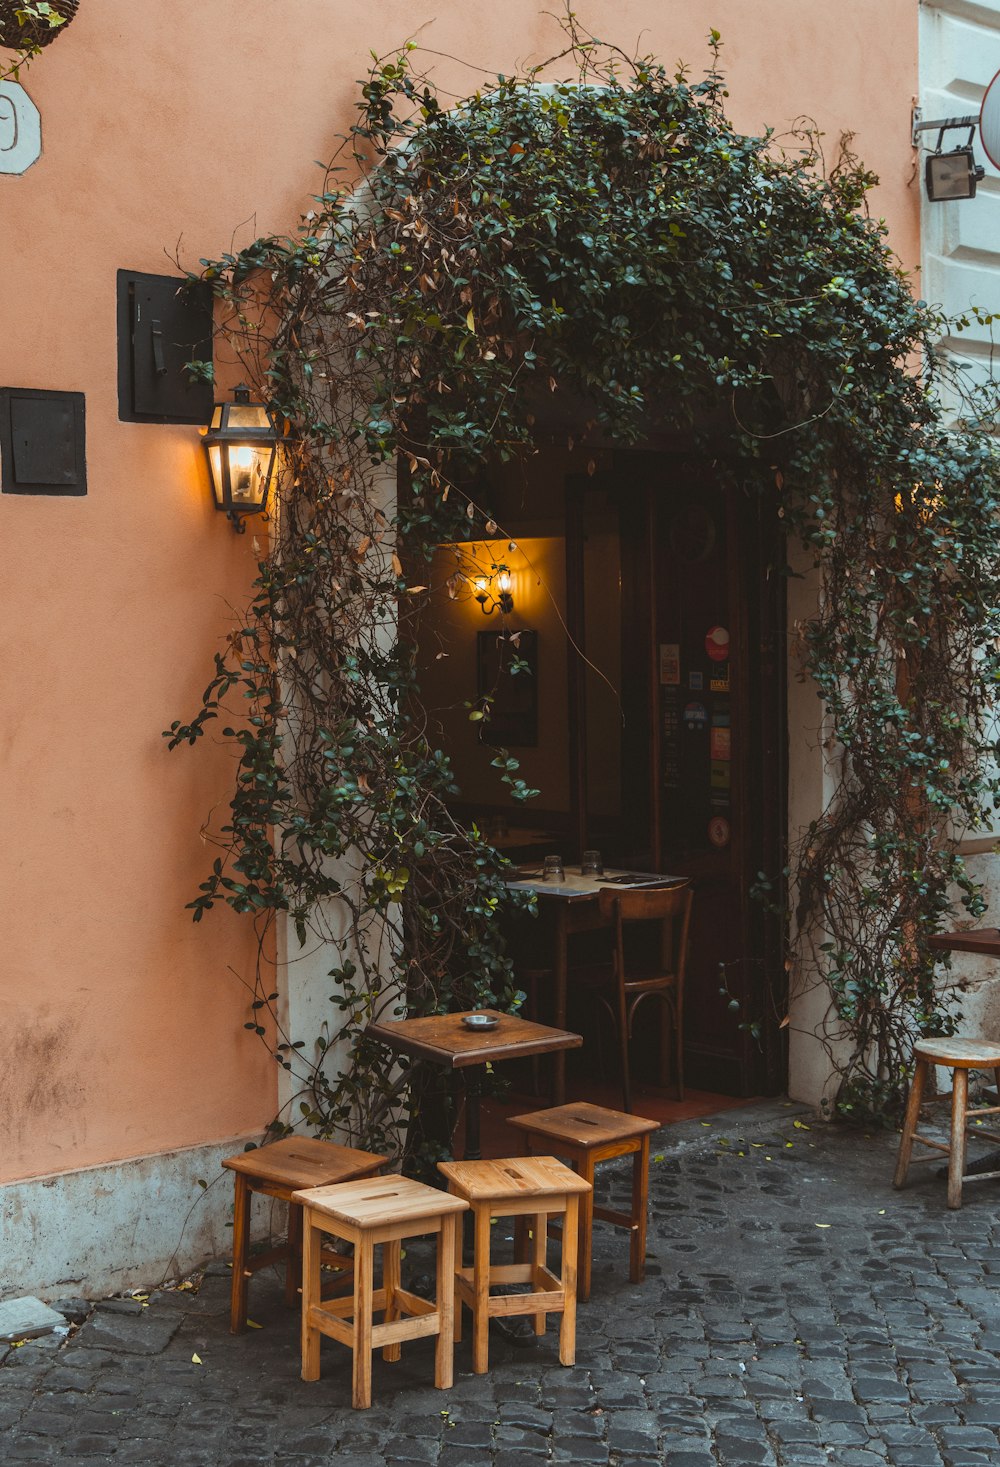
point(500, 600)
point(242, 445)
point(951, 175)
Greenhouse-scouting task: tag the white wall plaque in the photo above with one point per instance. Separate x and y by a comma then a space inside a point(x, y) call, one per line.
point(20, 129)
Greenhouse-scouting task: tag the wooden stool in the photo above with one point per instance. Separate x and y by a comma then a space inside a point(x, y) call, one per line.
point(277, 1170)
point(960, 1056)
point(380, 1210)
point(523, 1186)
point(587, 1135)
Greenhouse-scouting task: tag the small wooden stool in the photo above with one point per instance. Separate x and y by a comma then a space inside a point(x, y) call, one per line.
point(379, 1210)
point(960, 1056)
point(587, 1135)
point(522, 1186)
point(277, 1170)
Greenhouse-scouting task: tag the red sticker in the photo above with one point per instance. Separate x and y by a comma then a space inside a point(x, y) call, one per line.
point(718, 830)
point(717, 644)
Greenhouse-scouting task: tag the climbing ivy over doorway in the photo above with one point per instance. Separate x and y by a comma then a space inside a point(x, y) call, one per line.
point(611, 241)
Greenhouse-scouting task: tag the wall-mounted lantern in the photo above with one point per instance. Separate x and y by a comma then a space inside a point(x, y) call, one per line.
point(242, 445)
point(491, 600)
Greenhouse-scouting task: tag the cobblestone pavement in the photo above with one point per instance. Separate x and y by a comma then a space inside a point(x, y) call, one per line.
point(797, 1313)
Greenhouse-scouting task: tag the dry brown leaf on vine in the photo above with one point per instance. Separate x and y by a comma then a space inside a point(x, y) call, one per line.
point(363, 784)
point(397, 565)
point(362, 547)
point(415, 590)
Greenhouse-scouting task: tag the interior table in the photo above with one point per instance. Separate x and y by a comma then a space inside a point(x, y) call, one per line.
point(445, 1040)
point(571, 906)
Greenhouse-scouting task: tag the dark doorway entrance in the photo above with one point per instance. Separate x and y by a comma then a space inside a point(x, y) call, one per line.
point(648, 590)
point(677, 754)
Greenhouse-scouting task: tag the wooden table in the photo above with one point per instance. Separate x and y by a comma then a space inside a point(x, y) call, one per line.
point(445, 1040)
point(572, 906)
point(983, 940)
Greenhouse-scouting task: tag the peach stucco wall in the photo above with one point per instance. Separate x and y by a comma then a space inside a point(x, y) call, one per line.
point(166, 127)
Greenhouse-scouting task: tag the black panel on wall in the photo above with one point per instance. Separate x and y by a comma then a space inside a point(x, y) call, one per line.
point(164, 322)
point(42, 442)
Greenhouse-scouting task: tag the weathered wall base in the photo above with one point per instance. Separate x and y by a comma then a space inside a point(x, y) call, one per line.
point(128, 1225)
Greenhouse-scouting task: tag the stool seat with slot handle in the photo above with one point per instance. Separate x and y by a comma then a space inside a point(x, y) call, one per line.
point(277, 1170)
point(378, 1211)
point(586, 1135)
point(536, 1187)
point(960, 1056)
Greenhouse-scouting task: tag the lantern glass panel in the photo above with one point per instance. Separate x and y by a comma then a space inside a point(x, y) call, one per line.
point(217, 415)
point(248, 473)
point(243, 415)
point(215, 464)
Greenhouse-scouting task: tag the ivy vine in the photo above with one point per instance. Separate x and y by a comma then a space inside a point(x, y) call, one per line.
point(611, 238)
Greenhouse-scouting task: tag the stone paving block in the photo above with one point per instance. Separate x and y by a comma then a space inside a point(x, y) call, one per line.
point(143, 1334)
point(28, 1318)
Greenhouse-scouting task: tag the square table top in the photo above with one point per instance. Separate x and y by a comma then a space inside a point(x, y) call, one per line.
point(444, 1039)
point(577, 887)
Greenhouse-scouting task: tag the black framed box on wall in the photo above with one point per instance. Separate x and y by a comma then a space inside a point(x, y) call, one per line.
point(43, 446)
point(164, 323)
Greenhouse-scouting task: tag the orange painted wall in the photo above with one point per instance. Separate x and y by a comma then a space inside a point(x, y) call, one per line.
point(166, 127)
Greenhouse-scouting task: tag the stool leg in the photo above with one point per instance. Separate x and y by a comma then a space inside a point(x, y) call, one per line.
point(521, 1238)
point(293, 1263)
point(447, 1304)
point(364, 1282)
point(481, 1290)
point(910, 1122)
point(241, 1244)
point(956, 1160)
point(571, 1237)
point(540, 1243)
point(390, 1283)
point(311, 1241)
point(640, 1201)
point(586, 1170)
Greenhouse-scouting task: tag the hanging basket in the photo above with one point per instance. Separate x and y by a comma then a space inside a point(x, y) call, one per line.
point(16, 37)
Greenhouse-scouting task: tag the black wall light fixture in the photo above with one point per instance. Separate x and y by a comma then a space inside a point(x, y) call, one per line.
point(491, 600)
point(242, 446)
point(951, 175)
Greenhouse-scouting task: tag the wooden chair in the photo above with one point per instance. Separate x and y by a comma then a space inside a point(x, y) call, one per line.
point(538, 1187)
point(278, 1170)
point(587, 1135)
point(960, 1056)
point(378, 1210)
point(624, 985)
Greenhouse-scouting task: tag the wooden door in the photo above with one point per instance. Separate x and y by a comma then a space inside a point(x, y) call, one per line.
point(702, 745)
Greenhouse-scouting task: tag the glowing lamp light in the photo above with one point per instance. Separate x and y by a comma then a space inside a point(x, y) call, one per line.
point(501, 599)
point(242, 446)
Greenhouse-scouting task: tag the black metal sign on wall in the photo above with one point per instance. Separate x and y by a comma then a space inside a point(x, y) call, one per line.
point(164, 323)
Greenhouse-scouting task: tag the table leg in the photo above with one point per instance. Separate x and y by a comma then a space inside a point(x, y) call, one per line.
point(473, 1094)
point(559, 969)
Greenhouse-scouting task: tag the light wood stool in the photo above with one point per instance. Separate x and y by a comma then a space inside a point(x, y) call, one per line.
point(277, 1170)
point(586, 1135)
point(379, 1210)
point(522, 1186)
point(960, 1056)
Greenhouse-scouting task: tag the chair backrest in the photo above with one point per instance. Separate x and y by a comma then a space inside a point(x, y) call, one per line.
point(668, 905)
